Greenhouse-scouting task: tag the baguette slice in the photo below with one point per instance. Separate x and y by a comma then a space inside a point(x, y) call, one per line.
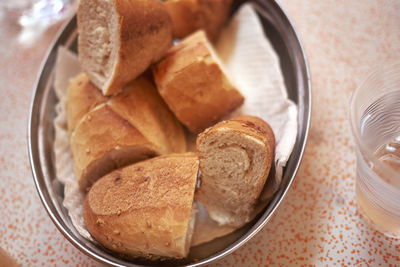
point(131, 126)
point(235, 160)
point(192, 81)
point(145, 209)
point(189, 16)
point(119, 39)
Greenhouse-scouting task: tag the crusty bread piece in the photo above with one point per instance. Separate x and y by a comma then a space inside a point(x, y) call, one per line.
point(6, 260)
point(119, 39)
point(82, 96)
point(145, 209)
point(235, 160)
point(191, 15)
point(192, 81)
point(131, 126)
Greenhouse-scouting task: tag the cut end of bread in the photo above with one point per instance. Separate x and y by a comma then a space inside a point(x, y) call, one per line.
point(235, 160)
point(119, 40)
point(190, 229)
point(145, 209)
point(98, 40)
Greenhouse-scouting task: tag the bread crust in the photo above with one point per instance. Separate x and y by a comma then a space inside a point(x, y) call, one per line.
point(131, 126)
point(189, 16)
point(229, 195)
point(142, 106)
point(82, 96)
point(192, 82)
point(259, 129)
point(137, 39)
point(143, 210)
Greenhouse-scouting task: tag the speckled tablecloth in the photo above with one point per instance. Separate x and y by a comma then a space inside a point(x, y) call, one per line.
point(318, 222)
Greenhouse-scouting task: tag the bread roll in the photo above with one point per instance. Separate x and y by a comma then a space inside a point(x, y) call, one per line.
point(235, 160)
point(191, 15)
point(131, 126)
point(119, 39)
point(193, 83)
point(145, 209)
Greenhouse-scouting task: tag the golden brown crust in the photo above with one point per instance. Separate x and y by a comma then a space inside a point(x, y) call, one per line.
point(191, 15)
point(131, 126)
point(144, 209)
point(82, 96)
point(100, 133)
point(235, 156)
point(142, 106)
point(144, 38)
point(193, 84)
point(144, 32)
point(257, 128)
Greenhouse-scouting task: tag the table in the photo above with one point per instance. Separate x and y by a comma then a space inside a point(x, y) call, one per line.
point(318, 222)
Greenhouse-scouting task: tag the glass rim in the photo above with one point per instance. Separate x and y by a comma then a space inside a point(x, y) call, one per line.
point(368, 152)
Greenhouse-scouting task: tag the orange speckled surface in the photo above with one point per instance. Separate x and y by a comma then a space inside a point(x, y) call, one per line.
point(318, 222)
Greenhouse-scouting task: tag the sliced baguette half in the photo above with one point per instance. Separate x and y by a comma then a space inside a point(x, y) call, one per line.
point(131, 126)
point(192, 81)
point(145, 209)
point(119, 39)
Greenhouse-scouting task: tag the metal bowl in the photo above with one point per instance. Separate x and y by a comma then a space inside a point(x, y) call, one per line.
point(285, 41)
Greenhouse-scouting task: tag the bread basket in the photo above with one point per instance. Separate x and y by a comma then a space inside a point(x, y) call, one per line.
point(285, 41)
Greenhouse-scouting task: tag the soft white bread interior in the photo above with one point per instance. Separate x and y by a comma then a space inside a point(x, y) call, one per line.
point(145, 209)
point(192, 81)
point(119, 39)
point(191, 15)
point(130, 126)
point(235, 160)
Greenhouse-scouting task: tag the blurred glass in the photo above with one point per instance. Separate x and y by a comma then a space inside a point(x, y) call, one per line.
point(37, 12)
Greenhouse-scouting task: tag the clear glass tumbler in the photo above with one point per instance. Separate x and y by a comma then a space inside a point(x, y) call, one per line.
point(375, 122)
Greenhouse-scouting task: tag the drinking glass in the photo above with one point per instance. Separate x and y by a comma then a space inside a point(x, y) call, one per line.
point(375, 122)
point(37, 12)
